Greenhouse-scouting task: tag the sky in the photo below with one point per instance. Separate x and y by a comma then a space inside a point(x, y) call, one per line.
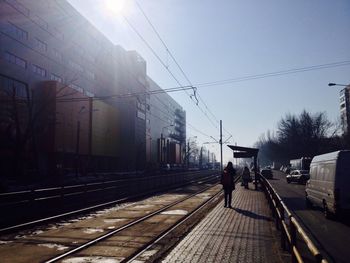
point(233, 39)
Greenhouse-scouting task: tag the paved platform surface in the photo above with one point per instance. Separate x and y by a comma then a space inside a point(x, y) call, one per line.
point(244, 233)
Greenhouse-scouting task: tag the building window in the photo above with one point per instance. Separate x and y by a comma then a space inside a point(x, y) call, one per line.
point(40, 45)
point(90, 74)
point(40, 22)
point(17, 32)
point(75, 66)
point(141, 106)
point(58, 34)
point(89, 94)
point(38, 70)
point(76, 87)
point(141, 115)
point(15, 60)
point(90, 58)
point(18, 6)
point(11, 86)
point(57, 55)
point(56, 78)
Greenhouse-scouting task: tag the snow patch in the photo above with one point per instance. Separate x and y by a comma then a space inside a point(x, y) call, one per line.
point(113, 220)
point(20, 236)
point(3, 242)
point(204, 195)
point(37, 232)
point(175, 212)
point(91, 260)
point(143, 206)
point(51, 245)
point(149, 253)
point(92, 230)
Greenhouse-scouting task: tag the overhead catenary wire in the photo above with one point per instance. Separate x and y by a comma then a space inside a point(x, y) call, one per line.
point(193, 97)
point(274, 74)
point(177, 64)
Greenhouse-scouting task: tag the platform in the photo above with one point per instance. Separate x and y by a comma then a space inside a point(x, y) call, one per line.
point(244, 233)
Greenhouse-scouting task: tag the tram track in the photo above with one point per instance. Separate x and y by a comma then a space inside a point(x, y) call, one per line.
point(164, 222)
point(76, 212)
point(131, 224)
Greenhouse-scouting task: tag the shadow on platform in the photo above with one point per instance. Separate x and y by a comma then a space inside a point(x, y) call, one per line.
point(251, 214)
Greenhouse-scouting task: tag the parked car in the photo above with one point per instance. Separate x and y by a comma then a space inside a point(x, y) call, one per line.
point(298, 176)
point(329, 184)
point(267, 173)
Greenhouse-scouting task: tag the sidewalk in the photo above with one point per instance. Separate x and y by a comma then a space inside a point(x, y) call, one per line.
point(244, 233)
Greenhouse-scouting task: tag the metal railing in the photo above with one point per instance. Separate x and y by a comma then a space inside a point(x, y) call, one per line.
point(292, 233)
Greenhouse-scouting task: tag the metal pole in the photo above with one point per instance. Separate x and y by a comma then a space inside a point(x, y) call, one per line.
point(90, 134)
point(188, 153)
point(208, 158)
point(221, 146)
point(161, 148)
point(77, 149)
point(256, 172)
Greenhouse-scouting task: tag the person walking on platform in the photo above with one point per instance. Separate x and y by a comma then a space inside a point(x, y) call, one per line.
point(246, 177)
point(228, 183)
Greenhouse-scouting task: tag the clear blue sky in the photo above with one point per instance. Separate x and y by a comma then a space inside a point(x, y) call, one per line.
point(217, 40)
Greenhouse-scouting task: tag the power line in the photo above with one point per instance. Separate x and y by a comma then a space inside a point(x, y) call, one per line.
point(274, 74)
point(173, 58)
point(192, 97)
point(166, 106)
point(154, 53)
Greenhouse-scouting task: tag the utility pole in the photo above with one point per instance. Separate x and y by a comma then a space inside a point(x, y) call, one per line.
point(77, 150)
point(161, 148)
point(188, 153)
point(221, 146)
point(208, 158)
point(90, 134)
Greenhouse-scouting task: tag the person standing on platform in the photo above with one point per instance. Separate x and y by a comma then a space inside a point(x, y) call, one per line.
point(228, 183)
point(246, 177)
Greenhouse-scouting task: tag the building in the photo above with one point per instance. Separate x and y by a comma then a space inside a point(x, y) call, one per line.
point(77, 134)
point(166, 130)
point(47, 41)
point(345, 109)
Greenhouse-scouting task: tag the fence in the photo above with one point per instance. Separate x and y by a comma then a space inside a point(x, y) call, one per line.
point(292, 233)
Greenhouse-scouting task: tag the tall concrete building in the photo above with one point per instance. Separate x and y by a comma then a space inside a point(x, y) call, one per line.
point(167, 136)
point(45, 41)
point(344, 100)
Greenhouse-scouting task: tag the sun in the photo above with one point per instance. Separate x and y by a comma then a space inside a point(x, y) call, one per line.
point(116, 6)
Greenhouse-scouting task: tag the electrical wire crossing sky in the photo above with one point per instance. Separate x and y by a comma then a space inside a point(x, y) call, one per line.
point(248, 63)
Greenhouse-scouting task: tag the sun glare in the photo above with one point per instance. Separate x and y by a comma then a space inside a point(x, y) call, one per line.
point(116, 6)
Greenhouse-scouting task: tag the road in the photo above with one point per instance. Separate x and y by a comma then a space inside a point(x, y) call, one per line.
point(331, 237)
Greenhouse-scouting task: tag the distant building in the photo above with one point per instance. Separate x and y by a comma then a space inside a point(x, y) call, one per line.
point(166, 132)
point(46, 41)
point(345, 109)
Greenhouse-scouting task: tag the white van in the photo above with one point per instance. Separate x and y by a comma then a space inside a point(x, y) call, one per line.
point(329, 184)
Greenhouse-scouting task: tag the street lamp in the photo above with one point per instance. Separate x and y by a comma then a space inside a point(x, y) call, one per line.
point(335, 84)
point(162, 147)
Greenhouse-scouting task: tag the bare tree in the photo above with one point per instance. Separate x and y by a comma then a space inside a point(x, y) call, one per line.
point(298, 135)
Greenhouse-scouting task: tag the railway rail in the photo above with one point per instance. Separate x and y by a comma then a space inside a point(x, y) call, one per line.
point(37, 206)
point(130, 235)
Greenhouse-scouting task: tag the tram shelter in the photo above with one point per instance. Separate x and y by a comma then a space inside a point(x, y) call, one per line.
point(245, 152)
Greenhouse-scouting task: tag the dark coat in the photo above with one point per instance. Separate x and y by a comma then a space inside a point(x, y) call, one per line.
point(228, 184)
